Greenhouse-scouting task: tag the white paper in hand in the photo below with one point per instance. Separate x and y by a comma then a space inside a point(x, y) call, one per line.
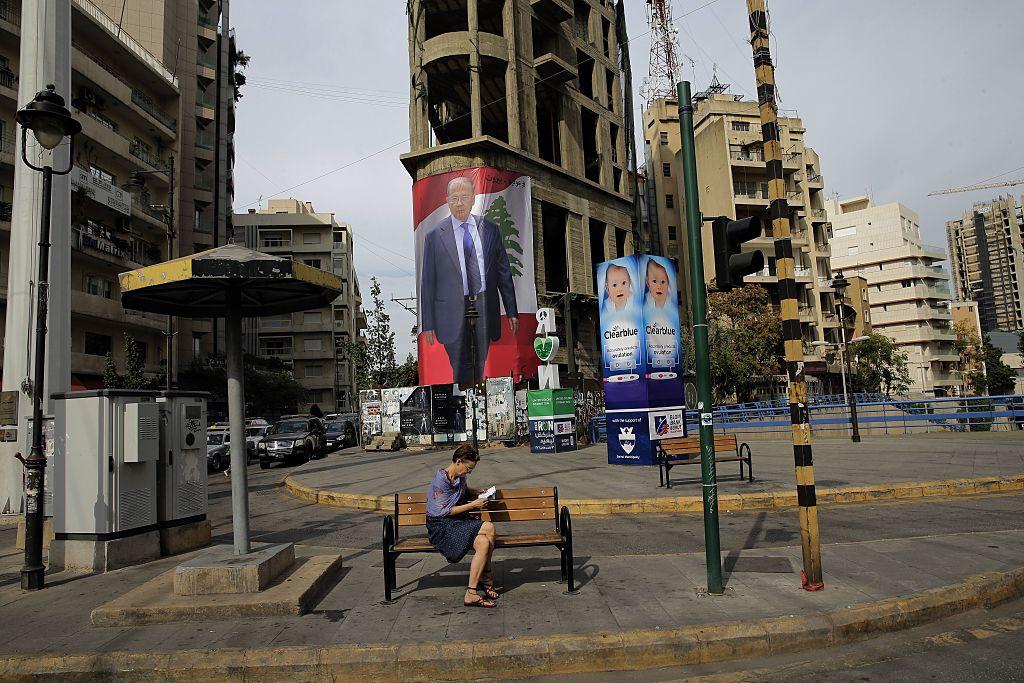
point(489, 493)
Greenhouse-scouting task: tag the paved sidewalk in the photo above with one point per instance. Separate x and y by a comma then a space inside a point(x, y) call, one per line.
point(617, 592)
point(586, 474)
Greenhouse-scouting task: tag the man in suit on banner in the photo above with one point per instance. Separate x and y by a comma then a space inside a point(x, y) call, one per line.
point(465, 267)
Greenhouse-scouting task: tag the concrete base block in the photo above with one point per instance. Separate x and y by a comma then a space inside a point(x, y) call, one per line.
point(219, 570)
point(294, 593)
point(47, 533)
point(104, 556)
point(185, 537)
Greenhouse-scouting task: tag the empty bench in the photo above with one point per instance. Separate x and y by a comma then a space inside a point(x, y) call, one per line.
point(686, 451)
point(508, 505)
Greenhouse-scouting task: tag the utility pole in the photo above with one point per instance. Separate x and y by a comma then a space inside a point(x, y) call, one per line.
point(702, 353)
point(45, 57)
point(788, 296)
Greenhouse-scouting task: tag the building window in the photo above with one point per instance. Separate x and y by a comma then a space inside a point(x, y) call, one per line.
point(666, 170)
point(670, 201)
point(664, 137)
point(338, 266)
point(311, 238)
point(314, 371)
point(312, 344)
point(97, 286)
point(671, 233)
point(197, 348)
point(98, 344)
point(312, 318)
point(741, 125)
point(314, 262)
point(276, 347)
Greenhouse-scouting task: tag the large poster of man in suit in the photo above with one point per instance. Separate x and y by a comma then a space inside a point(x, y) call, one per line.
point(475, 277)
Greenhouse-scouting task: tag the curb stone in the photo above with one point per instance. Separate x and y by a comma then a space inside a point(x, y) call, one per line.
point(729, 502)
point(534, 655)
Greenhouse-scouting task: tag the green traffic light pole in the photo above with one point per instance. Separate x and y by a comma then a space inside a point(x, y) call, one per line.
point(699, 305)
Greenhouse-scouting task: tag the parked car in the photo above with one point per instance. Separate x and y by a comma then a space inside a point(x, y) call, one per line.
point(218, 444)
point(294, 439)
point(341, 433)
point(253, 434)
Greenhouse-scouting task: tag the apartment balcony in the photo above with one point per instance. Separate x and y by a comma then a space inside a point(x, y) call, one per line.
point(324, 382)
point(825, 285)
point(146, 104)
point(792, 160)
point(818, 216)
point(806, 314)
point(748, 158)
point(110, 310)
point(908, 315)
point(755, 199)
point(553, 69)
point(11, 16)
point(816, 182)
point(795, 198)
point(142, 153)
point(326, 353)
point(7, 146)
point(9, 84)
point(284, 354)
point(909, 294)
point(552, 11)
point(920, 334)
point(203, 181)
point(906, 272)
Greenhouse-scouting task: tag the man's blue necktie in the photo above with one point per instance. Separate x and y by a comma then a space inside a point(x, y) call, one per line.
point(472, 265)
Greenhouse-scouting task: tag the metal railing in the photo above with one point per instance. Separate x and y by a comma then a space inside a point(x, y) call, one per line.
point(9, 79)
point(815, 179)
point(876, 415)
point(205, 20)
point(139, 151)
point(147, 57)
point(205, 139)
point(7, 142)
point(145, 102)
point(6, 211)
point(9, 13)
point(754, 155)
point(203, 181)
point(207, 60)
point(818, 213)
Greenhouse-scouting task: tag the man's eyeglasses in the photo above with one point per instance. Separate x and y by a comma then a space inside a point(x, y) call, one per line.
point(461, 198)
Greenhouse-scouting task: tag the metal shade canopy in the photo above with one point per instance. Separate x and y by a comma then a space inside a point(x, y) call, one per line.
point(204, 285)
point(230, 282)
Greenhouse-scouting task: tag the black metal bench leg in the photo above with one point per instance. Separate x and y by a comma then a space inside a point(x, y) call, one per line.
point(661, 474)
point(571, 588)
point(562, 568)
point(668, 476)
point(388, 578)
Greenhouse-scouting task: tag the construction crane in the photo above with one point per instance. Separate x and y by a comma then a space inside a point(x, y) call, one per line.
point(983, 186)
point(663, 71)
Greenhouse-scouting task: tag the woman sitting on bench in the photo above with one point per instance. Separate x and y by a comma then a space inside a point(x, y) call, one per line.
point(451, 530)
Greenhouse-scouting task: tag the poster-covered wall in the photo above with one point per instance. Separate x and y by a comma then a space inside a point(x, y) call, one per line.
point(370, 414)
point(487, 213)
point(641, 355)
point(501, 409)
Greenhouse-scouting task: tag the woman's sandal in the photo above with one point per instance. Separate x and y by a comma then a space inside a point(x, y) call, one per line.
point(488, 587)
point(481, 601)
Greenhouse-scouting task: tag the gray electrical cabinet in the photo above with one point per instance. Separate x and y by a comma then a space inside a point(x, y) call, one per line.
point(181, 474)
point(105, 484)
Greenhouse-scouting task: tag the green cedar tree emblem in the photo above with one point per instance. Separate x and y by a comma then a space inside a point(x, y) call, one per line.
point(498, 212)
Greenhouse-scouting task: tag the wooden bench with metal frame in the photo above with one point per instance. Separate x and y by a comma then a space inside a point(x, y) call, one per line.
point(508, 505)
point(686, 451)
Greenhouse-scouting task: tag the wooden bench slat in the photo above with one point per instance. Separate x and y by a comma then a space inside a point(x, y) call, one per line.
point(422, 543)
point(496, 504)
point(506, 494)
point(534, 514)
point(412, 497)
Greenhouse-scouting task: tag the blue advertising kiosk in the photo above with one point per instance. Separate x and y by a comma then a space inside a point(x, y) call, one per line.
point(641, 356)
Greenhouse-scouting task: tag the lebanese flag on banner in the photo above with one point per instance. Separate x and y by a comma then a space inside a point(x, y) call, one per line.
point(503, 197)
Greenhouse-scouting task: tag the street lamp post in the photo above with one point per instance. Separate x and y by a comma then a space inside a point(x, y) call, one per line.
point(840, 283)
point(136, 182)
point(50, 122)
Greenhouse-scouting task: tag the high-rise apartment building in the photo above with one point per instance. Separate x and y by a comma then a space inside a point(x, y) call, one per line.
point(140, 103)
point(309, 341)
point(533, 87)
point(733, 182)
point(195, 42)
point(986, 253)
point(909, 293)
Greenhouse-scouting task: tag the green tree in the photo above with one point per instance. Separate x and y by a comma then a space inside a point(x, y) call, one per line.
point(968, 347)
point(498, 212)
point(745, 336)
point(239, 61)
point(135, 366)
point(111, 378)
point(270, 386)
point(999, 377)
point(374, 357)
point(880, 366)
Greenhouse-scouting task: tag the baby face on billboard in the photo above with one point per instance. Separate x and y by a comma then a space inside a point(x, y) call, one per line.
point(617, 286)
point(657, 283)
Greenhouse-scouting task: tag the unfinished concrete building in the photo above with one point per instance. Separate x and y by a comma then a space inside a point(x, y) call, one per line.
point(533, 86)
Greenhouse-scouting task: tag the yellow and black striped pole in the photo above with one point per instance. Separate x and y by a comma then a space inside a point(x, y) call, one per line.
point(788, 296)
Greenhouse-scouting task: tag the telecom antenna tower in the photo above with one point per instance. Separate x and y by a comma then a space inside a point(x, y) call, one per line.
point(664, 64)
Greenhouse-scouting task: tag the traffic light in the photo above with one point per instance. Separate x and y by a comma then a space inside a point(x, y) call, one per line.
point(731, 264)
